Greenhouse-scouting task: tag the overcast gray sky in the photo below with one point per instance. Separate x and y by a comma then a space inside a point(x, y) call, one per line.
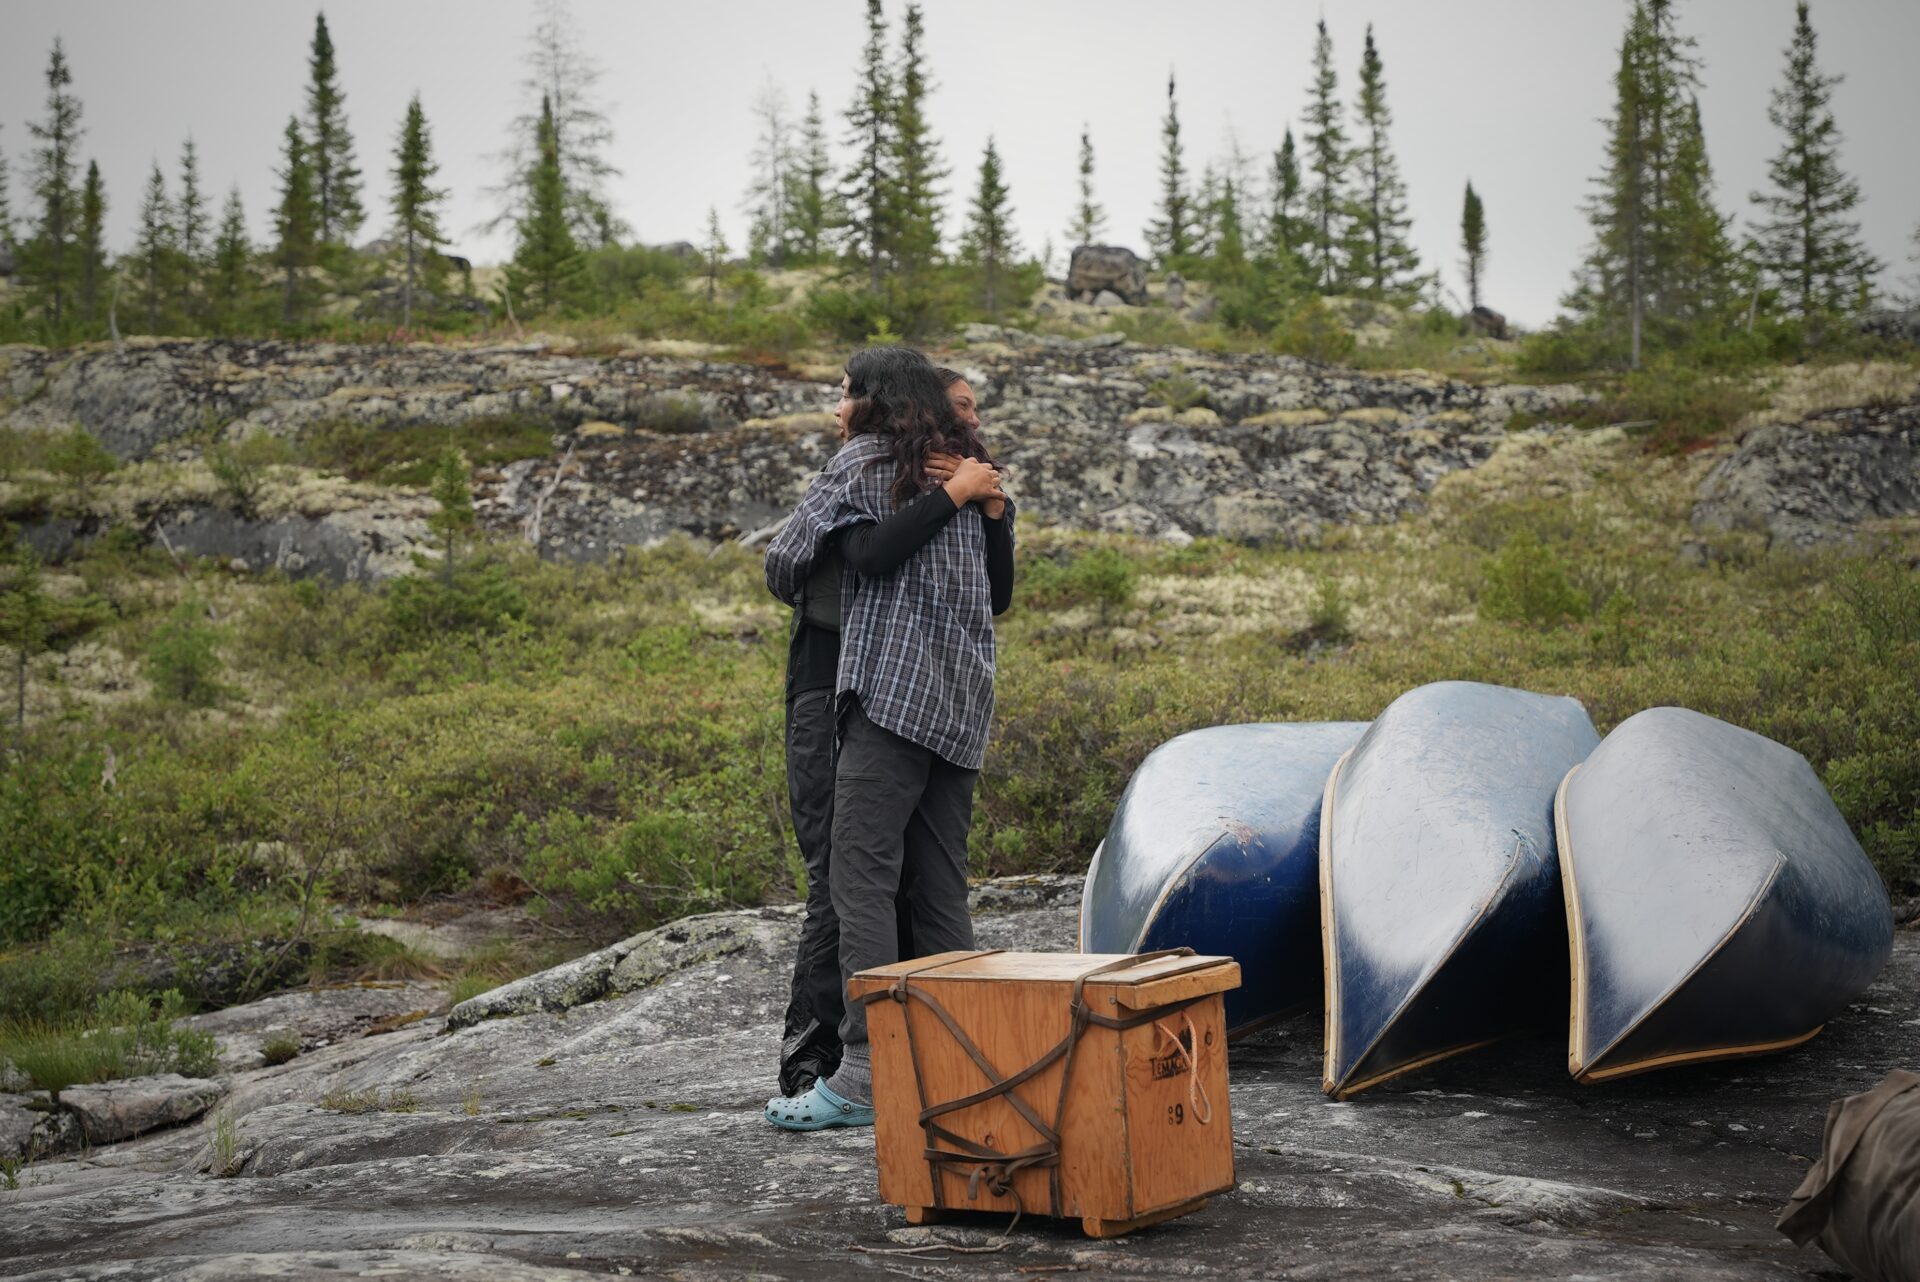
point(1507, 93)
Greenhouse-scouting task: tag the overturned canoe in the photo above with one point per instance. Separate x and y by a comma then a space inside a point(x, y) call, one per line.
point(1717, 904)
point(1439, 894)
point(1215, 846)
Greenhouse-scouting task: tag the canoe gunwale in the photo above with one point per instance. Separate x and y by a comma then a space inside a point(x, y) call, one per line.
point(1345, 1088)
point(1093, 867)
point(1167, 889)
point(1580, 1062)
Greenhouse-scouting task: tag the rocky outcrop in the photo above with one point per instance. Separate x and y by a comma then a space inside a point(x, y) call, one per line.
point(1818, 480)
point(1111, 268)
point(1098, 433)
point(113, 1111)
point(625, 1133)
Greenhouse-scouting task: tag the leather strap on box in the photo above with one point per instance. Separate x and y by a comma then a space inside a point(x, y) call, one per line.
point(945, 1149)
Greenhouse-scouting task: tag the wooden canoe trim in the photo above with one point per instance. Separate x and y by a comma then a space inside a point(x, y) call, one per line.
point(1576, 931)
point(1582, 1070)
point(1696, 1057)
point(1093, 866)
point(926, 1214)
point(1330, 972)
point(1351, 1089)
point(1095, 1227)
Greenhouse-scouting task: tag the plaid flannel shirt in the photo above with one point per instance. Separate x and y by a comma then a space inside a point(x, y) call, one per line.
point(916, 645)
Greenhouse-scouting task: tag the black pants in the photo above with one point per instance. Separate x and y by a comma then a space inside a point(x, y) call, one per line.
point(900, 818)
point(810, 1041)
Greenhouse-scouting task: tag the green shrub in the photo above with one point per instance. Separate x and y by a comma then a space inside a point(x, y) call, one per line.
point(408, 455)
point(279, 1048)
point(1675, 405)
point(59, 832)
point(79, 458)
point(182, 661)
point(240, 467)
point(1104, 577)
point(1178, 392)
point(1525, 582)
point(674, 412)
point(478, 597)
point(1330, 619)
point(127, 1035)
point(1315, 333)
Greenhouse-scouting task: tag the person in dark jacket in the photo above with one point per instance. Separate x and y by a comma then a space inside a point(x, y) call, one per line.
point(810, 1038)
point(913, 692)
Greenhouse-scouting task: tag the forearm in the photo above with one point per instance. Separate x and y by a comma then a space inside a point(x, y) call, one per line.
point(1000, 558)
point(881, 547)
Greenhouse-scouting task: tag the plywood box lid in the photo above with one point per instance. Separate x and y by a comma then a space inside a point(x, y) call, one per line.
point(1134, 985)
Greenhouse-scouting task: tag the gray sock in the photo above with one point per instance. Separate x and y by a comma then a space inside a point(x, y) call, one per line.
point(853, 1080)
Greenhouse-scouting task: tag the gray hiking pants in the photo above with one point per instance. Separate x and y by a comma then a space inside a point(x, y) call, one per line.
point(899, 812)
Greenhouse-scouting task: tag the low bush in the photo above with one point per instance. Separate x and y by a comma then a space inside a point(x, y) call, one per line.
point(127, 1035)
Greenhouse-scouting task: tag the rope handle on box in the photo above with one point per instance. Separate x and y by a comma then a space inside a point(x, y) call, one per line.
point(990, 1166)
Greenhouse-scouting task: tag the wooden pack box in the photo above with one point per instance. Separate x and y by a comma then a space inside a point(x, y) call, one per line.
point(1141, 1131)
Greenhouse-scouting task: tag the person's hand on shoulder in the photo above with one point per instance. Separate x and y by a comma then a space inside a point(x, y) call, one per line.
point(973, 481)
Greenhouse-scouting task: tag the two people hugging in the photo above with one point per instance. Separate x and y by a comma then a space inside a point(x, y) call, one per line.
point(896, 562)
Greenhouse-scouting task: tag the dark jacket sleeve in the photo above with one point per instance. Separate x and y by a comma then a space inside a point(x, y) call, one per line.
point(1000, 558)
point(877, 548)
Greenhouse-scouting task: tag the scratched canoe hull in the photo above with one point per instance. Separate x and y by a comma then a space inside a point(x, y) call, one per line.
point(1717, 903)
point(1215, 846)
point(1440, 896)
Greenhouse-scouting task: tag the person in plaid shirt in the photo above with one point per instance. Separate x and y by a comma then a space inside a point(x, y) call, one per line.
point(914, 686)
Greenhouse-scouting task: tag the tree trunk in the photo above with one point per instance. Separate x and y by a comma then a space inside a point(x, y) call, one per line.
point(406, 296)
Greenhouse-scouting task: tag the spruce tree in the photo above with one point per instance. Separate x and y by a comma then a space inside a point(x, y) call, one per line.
point(191, 226)
point(336, 181)
point(296, 224)
point(6, 208)
point(713, 255)
point(547, 272)
point(1170, 236)
point(1381, 261)
point(1205, 204)
point(1473, 244)
point(769, 194)
point(869, 183)
point(51, 266)
point(1326, 166)
point(227, 286)
point(92, 245)
point(1229, 248)
point(810, 202)
point(914, 208)
point(454, 518)
point(1284, 233)
point(1659, 266)
point(416, 206)
point(559, 88)
point(155, 248)
point(1805, 243)
point(1088, 217)
point(1697, 252)
point(990, 243)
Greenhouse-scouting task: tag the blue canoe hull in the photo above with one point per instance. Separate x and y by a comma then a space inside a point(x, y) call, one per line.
point(1717, 903)
point(1440, 894)
point(1215, 846)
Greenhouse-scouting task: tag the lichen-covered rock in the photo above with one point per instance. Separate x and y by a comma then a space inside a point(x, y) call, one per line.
point(1819, 480)
point(113, 1111)
point(648, 446)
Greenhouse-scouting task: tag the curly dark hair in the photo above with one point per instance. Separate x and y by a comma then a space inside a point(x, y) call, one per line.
point(898, 394)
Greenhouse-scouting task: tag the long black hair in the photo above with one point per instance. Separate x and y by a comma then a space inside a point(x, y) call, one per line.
point(897, 394)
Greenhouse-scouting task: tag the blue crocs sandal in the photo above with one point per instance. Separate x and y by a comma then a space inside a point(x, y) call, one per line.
point(816, 1110)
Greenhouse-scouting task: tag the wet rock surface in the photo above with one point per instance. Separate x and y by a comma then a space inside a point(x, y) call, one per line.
point(624, 1135)
point(1098, 433)
point(1819, 480)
